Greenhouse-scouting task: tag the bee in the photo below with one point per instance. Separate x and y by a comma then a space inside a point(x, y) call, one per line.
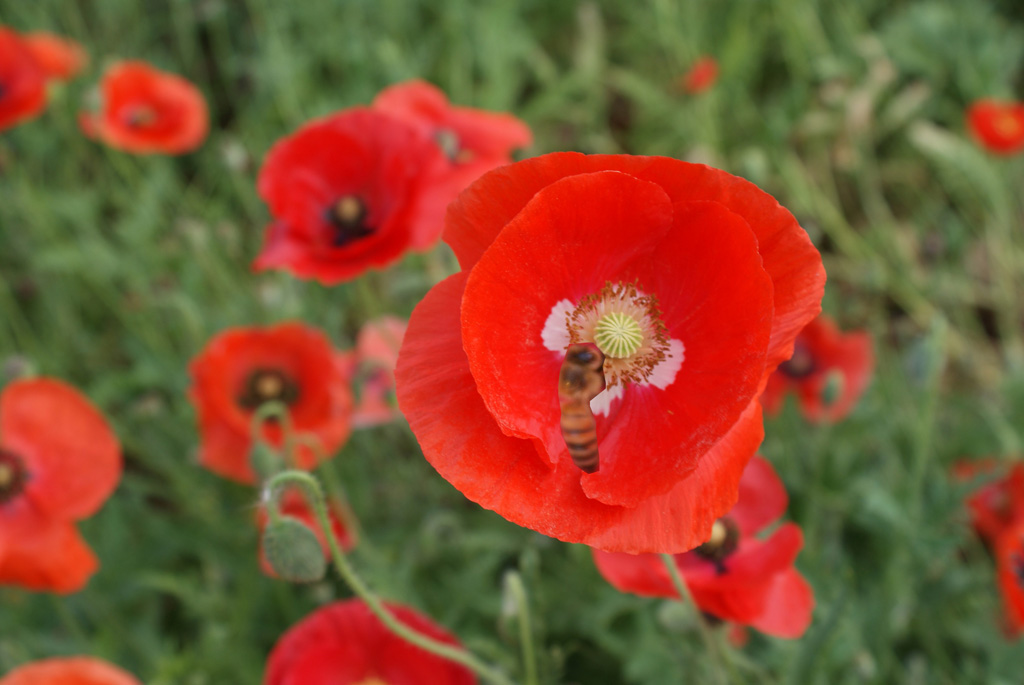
point(579, 381)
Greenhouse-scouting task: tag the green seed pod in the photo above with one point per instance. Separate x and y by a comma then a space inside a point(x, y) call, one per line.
point(293, 551)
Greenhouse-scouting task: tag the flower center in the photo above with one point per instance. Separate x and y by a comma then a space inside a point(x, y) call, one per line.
point(12, 476)
point(372, 680)
point(451, 146)
point(139, 116)
point(348, 217)
point(626, 326)
point(725, 537)
point(1007, 125)
point(268, 385)
point(802, 364)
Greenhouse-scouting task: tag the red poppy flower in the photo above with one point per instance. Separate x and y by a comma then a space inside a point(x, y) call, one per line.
point(75, 670)
point(555, 250)
point(348, 192)
point(701, 76)
point(345, 644)
point(371, 366)
point(294, 504)
point(997, 125)
point(241, 368)
point(734, 576)
point(997, 505)
point(59, 461)
point(1010, 569)
point(60, 58)
point(22, 81)
point(829, 371)
point(148, 111)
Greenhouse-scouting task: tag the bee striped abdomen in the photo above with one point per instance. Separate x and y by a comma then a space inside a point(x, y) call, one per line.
point(579, 381)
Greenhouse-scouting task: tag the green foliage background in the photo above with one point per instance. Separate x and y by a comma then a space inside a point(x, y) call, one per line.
point(115, 270)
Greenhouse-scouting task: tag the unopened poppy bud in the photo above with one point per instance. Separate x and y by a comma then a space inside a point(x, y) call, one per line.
point(265, 460)
point(833, 388)
point(293, 550)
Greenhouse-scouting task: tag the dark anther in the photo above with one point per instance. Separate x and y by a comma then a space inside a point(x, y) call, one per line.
point(268, 385)
point(801, 364)
point(348, 217)
point(12, 476)
point(725, 537)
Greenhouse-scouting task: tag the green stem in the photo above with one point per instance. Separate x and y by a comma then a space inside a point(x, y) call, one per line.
point(315, 496)
point(335, 487)
point(704, 628)
point(514, 585)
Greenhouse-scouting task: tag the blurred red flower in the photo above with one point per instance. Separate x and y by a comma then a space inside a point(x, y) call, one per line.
point(552, 249)
point(345, 643)
point(371, 366)
point(701, 76)
point(293, 504)
point(348, 192)
point(473, 140)
point(1009, 548)
point(734, 576)
point(997, 505)
point(997, 125)
point(241, 368)
point(60, 58)
point(148, 111)
point(75, 670)
point(22, 81)
point(59, 461)
point(829, 371)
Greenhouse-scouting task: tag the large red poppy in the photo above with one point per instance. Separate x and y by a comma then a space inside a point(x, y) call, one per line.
point(59, 461)
point(241, 368)
point(293, 504)
point(714, 275)
point(60, 58)
point(75, 670)
point(734, 576)
point(22, 81)
point(829, 371)
point(348, 192)
point(371, 366)
point(998, 125)
point(1009, 548)
point(345, 644)
point(148, 111)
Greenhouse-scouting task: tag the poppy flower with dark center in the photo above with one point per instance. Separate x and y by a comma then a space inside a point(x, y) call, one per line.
point(828, 370)
point(1009, 548)
point(293, 503)
point(345, 644)
point(242, 368)
point(348, 192)
point(74, 670)
point(22, 81)
point(60, 58)
point(997, 125)
point(701, 76)
point(59, 461)
point(997, 505)
point(625, 253)
point(148, 111)
point(734, 576)
point(371, 368)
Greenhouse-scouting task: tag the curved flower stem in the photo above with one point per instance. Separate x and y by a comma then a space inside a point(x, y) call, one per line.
point(334, 487)
point(705, 629)
point(315, 495)
point(514, 584)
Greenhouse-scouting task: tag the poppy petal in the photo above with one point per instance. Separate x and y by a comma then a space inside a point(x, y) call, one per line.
point(788, 606)
point(75, 670)
point(72, 456)
point(762, 497)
